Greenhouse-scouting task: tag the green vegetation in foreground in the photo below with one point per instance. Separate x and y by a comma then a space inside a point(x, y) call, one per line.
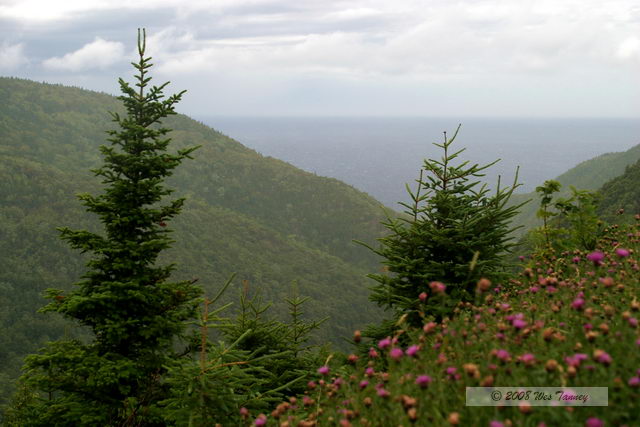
point(569, 320)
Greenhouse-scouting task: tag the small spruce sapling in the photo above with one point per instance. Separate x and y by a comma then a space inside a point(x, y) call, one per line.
point(454, 232)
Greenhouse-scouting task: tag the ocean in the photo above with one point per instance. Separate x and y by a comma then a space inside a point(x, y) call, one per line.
point(379, 155)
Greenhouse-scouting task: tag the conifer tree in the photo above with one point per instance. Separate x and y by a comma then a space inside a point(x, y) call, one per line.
point(453, 233)
point(134, 311)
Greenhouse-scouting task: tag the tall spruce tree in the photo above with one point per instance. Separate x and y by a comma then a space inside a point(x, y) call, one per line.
point(454, 232)
point(134, 311)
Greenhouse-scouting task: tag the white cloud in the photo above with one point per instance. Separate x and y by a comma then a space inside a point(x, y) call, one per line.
point(629, 48)
point(98, 54)
point(410, 38)
point(278, 45)
point(12, 56)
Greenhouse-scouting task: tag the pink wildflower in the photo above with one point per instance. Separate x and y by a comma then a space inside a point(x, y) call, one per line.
point(527, 359)
point(323, 370)
point(633, 322)
point(373, 353)
point(261, 420)
point(496, 424)
point(384, 343)
point(437, 287)
point(429, 327)
point(576, 359)
point(604, 358)
point(577, 303)
point(634, 382)
point(423, 380)
point(382, 392)
point(369, 371)
point(423, 296)
point(519, 323)
point(622, 253)
point(396, 353)
point(364, 384)
point(594, 422)
point(412, 351)
point(596, 257)
point(503, 355)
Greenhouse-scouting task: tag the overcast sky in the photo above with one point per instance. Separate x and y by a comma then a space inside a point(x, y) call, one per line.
point(542, 58)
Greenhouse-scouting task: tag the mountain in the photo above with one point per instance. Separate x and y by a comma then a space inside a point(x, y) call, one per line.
point(588, 175)
point(621, 196)
point(263, 219)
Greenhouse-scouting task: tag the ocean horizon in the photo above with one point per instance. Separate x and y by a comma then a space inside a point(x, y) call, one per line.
point(378, 155)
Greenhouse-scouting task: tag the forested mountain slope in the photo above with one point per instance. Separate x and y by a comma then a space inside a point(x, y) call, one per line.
point(588, 175)
point(621, 196)
point(262, 218)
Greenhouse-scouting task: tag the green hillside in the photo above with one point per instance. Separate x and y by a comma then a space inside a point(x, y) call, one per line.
point(621, 193)
point(588, 175)
point(257, 216)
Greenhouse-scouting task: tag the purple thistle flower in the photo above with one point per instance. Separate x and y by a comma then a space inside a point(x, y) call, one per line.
point(423, 380)
point(594, 422)
point(364, 384)
point(384, 343)
point(261, 420)
point(519, 323)
point(596, 257)
point(382, 392)
point(604, 358)
point(577, 303)
point(496, 424)
point(412, 351)
point(634, 382)
point(527, 358)
point(396, 353)
point(503, 355)
point(323, 370)
point(622, 253)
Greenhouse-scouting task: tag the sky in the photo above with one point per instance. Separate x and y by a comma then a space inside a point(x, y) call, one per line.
point(466, 58)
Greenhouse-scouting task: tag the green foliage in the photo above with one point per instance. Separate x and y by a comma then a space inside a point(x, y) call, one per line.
point(125, 299)
point(546, 192)
point(265, 361)
point(283, 345)
point(214, 386)
point(580, 211)
point(454, 232)
point(573, 222)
